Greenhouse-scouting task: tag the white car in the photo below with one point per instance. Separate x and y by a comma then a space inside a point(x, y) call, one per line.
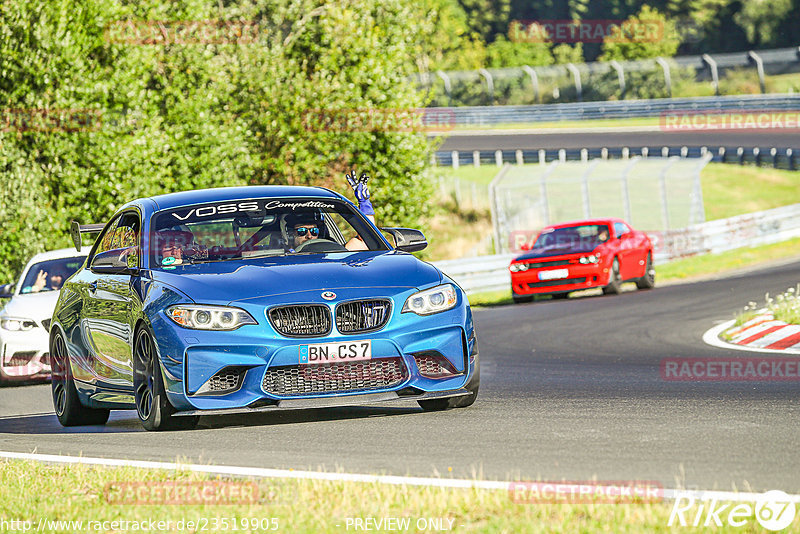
point(25, 319)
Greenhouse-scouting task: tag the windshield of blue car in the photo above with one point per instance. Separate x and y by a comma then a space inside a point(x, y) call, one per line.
point(50, 275)
point(254, 228)
point(571, 239)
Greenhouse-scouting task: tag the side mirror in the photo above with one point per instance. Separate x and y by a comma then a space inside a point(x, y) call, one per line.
point(407, 239)
point(117, 261)
point(7, 291)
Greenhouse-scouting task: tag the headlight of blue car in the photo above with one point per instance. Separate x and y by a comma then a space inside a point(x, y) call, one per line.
point(209, 317)
point(437, 299)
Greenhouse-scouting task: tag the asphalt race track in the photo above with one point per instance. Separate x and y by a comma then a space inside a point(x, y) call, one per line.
point(650, 137)
point(571, 390)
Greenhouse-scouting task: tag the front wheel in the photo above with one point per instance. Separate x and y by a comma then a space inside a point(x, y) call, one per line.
point(67, 405)
point(648, 281)
point(474, 384)
point(521, 299)
point(152, 405)
point(614, 281)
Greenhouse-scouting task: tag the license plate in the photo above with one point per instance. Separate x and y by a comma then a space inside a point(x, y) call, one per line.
point(554, 274)
point(349, 351)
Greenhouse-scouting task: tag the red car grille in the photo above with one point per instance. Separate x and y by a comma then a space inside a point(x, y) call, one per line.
point(553, 263)
point(563, 282)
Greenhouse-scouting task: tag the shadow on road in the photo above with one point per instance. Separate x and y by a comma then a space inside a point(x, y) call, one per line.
point(126, 420)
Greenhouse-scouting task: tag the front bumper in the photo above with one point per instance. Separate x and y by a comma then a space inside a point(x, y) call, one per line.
point(24, 355)
point(579, 277)
point(192, 358)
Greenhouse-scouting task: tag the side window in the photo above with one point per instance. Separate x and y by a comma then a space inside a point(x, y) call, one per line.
point(106, 240)
point(620, 229)
point(126, 235)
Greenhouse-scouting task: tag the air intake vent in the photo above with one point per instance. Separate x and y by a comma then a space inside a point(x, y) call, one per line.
point(298, 380)
point(362, 316)
point(21, 358)
point(303, 320)
point(223, 382)
point(431, 364)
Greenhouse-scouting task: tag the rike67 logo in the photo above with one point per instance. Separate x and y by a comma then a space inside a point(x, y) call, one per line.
point(774, 510)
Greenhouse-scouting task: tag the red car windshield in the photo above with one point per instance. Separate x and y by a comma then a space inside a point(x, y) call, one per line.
point(571, 239)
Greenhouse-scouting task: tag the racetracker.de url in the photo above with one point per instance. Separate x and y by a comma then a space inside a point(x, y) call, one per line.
point(193, 524)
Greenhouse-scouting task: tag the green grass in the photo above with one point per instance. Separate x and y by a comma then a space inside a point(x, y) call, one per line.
point(688, 268)
point(728, 189)
point(31, 491)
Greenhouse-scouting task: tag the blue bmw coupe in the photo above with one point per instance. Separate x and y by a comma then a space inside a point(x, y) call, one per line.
point(254, 299)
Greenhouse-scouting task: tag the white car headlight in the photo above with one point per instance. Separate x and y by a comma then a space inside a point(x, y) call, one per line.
point(589, 259)
point(209, 317)
point(16, 324)
point(518, 267)
point(434, 300)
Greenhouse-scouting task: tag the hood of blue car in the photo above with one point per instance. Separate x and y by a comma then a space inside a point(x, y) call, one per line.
point(230, 281)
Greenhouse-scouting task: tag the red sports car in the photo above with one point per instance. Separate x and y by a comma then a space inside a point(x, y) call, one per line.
point(579, 255)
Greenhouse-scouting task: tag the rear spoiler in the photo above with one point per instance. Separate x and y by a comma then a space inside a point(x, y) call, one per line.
point(76, 229)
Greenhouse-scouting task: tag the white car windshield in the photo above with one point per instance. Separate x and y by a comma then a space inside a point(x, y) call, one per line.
point(50, 275)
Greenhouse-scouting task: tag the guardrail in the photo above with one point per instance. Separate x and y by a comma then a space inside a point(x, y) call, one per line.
point(490, 273)
point(608, 78)
point(779, 158)
point(490, 115)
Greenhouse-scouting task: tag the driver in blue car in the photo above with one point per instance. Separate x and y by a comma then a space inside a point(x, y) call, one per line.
point(307, 226)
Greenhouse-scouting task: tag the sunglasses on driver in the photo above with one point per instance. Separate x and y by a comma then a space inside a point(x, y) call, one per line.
point(302, 231)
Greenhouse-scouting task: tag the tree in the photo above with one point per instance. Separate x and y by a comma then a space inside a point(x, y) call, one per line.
point(647, 34)
point(761, 18)
point(176, 116)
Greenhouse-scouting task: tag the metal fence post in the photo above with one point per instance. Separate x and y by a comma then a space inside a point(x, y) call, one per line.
point(534, 82)
point(626, 198)
point(714, 72)
point(448, 89)
point(662, 182)
point(667, 77)
point(696, 214)
point(489, 84)
point(454, 156)
point(587, 205)
point(576, 74)
point(755, 58)
point(620, 77)
point(493, 208)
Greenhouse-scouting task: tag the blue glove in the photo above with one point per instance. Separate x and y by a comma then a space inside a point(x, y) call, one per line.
point(361, 190)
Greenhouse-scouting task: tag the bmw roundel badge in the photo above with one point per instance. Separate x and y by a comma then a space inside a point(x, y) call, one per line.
point(328, 295)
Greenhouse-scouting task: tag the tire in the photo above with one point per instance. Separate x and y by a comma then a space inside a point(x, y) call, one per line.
point(615, 282)
point(152, 405)
point(648, 281)
point(474, 384)
point(521, 299)
point(66, 403)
